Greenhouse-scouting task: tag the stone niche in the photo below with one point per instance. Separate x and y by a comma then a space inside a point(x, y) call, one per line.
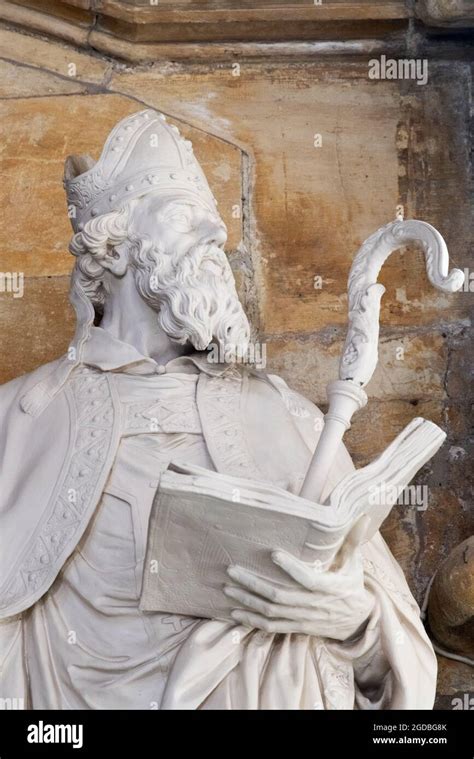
point(307, 156)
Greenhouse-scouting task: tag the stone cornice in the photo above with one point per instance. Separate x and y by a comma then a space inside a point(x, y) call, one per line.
point(139, 31)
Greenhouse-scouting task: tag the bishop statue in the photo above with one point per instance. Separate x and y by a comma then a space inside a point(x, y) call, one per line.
point(85, 439)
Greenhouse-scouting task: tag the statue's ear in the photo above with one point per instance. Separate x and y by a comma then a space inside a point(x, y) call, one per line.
point(75, 165)
point(116, 259)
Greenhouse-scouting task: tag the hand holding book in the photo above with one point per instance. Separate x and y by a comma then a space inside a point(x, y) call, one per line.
point(198, 528)
point(326, 603)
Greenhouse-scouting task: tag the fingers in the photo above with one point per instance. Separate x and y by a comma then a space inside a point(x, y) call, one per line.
point(266, 608)
point(311, 577)
point(302, 573)
point(253, 620)
point(319, 583)
point(328, 630)
point(265, 588)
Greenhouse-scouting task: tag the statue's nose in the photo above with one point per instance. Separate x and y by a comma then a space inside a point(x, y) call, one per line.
point(215, 233)
point(221, 235)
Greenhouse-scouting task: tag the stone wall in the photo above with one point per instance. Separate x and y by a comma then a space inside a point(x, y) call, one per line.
point(307, 156)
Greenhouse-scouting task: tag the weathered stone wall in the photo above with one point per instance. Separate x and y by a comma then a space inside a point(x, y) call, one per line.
point(297, 207)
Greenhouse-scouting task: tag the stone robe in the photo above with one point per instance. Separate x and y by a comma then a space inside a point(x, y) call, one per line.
point(79, 471)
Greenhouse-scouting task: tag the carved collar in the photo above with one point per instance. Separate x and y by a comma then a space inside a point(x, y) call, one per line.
point(108, 353)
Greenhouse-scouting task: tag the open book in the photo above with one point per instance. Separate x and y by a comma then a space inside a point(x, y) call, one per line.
point(202, 522)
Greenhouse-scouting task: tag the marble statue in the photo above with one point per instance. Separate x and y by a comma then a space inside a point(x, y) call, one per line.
point(84, 441)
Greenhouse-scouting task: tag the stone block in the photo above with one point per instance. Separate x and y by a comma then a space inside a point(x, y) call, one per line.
point(36, 328)
point(69, 63)
point(20, 81)
point(411, 367)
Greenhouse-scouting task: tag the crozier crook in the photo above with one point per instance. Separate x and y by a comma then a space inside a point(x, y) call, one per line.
point(360, 354)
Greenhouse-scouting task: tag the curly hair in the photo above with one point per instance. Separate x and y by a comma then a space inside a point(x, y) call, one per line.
point(92, 244)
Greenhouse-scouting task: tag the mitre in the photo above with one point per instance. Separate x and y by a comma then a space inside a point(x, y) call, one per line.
point(142, 154)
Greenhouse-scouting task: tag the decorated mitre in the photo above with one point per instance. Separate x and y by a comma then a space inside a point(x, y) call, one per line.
point(142, 154)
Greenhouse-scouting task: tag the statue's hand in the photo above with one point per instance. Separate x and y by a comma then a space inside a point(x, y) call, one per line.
point(325, 603)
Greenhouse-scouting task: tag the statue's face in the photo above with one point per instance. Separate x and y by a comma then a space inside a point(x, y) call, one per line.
point(177, 224)
point(183, 273)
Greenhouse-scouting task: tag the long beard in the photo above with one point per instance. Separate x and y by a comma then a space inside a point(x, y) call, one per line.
point(193, 304)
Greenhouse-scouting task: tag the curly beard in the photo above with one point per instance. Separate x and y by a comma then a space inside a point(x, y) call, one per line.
point(194, 295)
